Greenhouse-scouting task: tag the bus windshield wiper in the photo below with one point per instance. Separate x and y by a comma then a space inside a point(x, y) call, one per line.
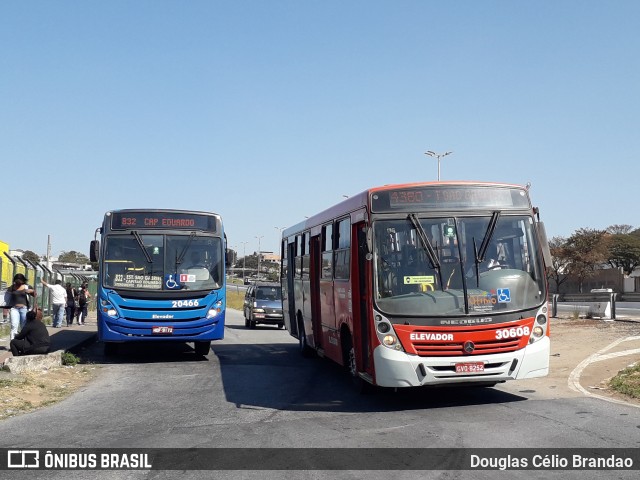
point(426, 244)
point(180, 257)
point(141, 245)
point(487, 238)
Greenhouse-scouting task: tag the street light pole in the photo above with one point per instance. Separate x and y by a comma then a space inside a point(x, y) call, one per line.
point(261, 236)
point(244, 258)
point(439, 156)
point(280, 229)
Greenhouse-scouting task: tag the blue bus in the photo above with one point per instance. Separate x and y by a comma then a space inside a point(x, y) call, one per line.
point(161, 277)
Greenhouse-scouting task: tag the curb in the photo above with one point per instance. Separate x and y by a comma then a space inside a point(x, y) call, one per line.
point(31, 363)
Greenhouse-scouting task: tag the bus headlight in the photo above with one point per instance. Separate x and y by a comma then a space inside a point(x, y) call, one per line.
point(538, 331)
point(389, 340)
point(110, 311)
point(108, 308)
point(215, 309)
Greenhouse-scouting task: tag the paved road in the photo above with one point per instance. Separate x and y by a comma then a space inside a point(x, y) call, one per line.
point(254, 390)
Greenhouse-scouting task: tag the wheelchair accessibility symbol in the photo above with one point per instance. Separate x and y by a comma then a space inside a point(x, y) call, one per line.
point(170, 283)
point(504, 295)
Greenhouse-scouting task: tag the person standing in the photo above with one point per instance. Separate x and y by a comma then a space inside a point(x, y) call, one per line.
point(83, 299)
point(58, 300)
point(17, 295)
point(70, 309)
point(32, 339)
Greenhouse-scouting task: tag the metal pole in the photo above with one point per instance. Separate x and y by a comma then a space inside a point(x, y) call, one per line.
point(438, 156)
point(244, 258)
point(259, 255)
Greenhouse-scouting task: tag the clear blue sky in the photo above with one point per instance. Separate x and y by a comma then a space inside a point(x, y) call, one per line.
point(269, 111)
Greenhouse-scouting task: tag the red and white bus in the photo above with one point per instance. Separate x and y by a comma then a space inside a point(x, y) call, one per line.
point(422, 284)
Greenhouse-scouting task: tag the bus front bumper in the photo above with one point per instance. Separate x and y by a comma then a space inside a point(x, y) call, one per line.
point(119, 330)
point(397, 369)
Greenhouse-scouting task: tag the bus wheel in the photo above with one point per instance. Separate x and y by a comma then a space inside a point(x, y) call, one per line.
point(110, 349)
point(202, 348)
point(349, 357)
point(304, 349)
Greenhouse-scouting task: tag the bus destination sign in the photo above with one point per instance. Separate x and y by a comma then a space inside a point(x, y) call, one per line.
point(446, 197)
point(162, 221)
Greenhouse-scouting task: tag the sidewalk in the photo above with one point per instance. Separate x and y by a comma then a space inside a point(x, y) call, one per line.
point(63, 338)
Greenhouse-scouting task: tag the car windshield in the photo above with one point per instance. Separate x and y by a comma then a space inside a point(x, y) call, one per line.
point(457, 265)
point(163, 262)
point(268, 293)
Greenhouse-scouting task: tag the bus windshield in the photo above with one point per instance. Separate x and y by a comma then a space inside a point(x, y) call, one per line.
point(142, 261)
point(464, 265)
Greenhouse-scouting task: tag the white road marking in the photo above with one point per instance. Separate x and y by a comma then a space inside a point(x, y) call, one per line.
point(574, 378)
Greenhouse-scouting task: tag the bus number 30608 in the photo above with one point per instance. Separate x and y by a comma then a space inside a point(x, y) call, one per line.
point(512, 333)
point(184, 303)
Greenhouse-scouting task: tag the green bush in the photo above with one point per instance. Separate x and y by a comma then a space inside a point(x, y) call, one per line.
point(627, 381)
point(70, 359)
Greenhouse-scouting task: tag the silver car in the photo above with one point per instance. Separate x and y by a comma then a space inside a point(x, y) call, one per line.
point(263, 304)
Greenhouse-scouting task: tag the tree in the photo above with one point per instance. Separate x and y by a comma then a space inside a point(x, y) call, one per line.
point(73, 257)
point(619, 229)
point(560, 260)
point(587, 250)
point(624, 252)
point(232, 255)
point(31, 257)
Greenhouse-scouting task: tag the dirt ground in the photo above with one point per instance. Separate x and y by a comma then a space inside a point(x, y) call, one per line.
point(29, 391)
point(573, 343)
point(585, 355)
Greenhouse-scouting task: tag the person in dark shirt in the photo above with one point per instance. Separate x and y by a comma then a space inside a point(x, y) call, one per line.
point(32, 339)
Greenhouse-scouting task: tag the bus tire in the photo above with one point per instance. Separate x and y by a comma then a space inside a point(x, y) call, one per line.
point(110, 349)
point(202, 348)
point(303, 347)
point(349, 361)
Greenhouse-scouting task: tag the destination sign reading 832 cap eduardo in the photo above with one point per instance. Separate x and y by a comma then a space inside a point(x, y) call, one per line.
point(162, 221)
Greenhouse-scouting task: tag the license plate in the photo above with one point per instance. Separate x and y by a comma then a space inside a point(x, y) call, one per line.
point(472, 367)
point(162, 330)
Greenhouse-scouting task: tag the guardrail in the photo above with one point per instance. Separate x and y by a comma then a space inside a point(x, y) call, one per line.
point(601, 304)
point(629, 297)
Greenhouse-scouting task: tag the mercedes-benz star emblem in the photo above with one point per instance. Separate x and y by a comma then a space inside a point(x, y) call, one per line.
point(469, 347)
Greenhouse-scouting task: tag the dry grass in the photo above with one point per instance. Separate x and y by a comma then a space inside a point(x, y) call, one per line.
point(30, 391)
